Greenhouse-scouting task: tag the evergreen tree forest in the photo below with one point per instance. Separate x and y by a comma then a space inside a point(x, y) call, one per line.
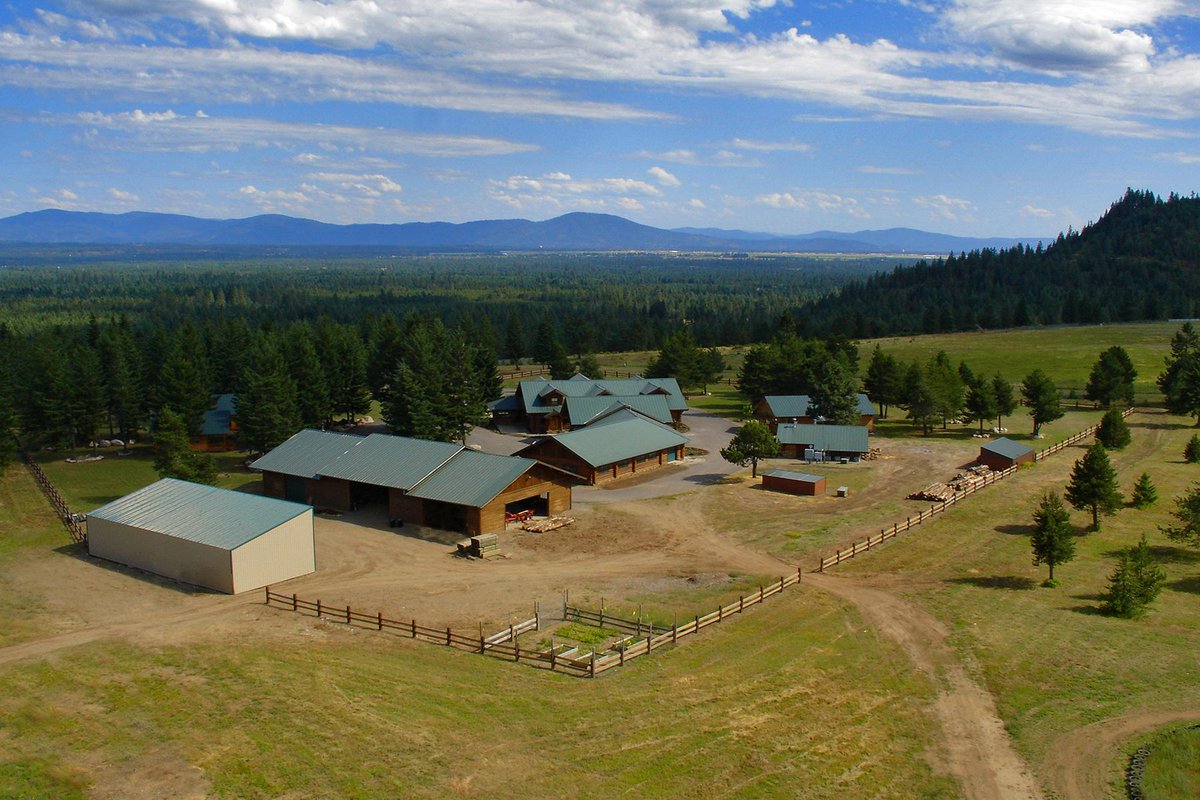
point(1137, 262)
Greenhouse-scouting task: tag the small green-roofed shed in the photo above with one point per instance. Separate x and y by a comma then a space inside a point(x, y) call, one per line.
point(1004, 453)
point(472, 478)
point(837, 440)
point(216, 538)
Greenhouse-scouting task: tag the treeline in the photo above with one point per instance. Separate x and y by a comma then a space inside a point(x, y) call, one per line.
point(67, 387)
point(600, 302)
point(1138, 262)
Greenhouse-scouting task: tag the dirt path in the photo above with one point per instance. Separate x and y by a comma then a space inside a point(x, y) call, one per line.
point(1084, 763)
point(977, 748)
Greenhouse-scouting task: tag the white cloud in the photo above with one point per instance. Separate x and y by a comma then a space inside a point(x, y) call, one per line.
point(946, 207)
point(558, 190)
point(696, 202)
point(872, 169)
point(1179, 157)
point(825, 202)
point(1028, 210)
point(663, 177)
point(780, 200)
point(166, 131)
point(629, 204)
point(363, 184)
point(717, 158)
point(771, 147)
point(123, 196)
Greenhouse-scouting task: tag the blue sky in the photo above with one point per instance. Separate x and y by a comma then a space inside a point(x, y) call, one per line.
point(974, 117)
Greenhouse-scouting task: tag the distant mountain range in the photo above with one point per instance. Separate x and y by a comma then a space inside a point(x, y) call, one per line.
point(576, 231)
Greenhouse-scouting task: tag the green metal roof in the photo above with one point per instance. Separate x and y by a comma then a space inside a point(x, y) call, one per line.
point(202, 514)
point(397, 462)
point(620, 436)
point(1007, 447)
point(835, 438)
point(533, 392)
point(308, 452)
point(582, 410)
point(796, 405)
point(472, 478)
point(218, 418)
point(794, 476)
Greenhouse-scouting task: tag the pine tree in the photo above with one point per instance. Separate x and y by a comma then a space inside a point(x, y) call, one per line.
point(679, 358)
point(919, 399)
point(1135, 583)
point(1178, 378)
point(346, 373)
point(1113, 431)
point(121, 378)
point(1112, 377)
point(1191, 451)
point(834, 393)
point(947, 387)
point(174, 458)
point(1144, 492)
point(981, 401)
point(1053, 541)
point(1093, 485)
point(881, 379)
point(588, 365)
point(304, 366)
point(1187, 514)
point(267, 407)
point(559, 362)
point(75, 405)
point(1040, 396)
point(1006, 401)
point(709, 367)
point(8, 419)
point(752, 442)
point(514, 339)
point(183, 381)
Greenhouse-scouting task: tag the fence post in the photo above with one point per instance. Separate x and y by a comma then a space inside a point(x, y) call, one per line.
point(295, 602)
point(516, 652)
point(447, 636)
point(593, 663)
point(760, 593)
point(318, 609)
point(741, 603)
point(482, 644)
point(267, 596)
point(537, 616)
point(720, 613)
point(414, 629)
point(566, 595)
point(347, 615)
point(553, 655)
point(675, 629)
point(379, 621)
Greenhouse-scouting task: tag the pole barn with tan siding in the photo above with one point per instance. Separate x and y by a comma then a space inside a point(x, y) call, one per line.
point(232, 542)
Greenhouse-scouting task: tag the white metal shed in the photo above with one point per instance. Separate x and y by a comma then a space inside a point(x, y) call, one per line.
point(228, 541)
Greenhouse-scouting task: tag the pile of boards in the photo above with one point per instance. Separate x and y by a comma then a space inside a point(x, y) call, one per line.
point(485, 545)
point(543, 525)
point(871, 454)
point(940, 492)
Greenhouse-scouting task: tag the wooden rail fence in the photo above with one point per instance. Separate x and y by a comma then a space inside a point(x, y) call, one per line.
point(504, 644)
point(76, 530)
point(911, 522)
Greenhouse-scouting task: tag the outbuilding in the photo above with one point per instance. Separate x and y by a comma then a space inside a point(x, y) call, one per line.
point(776, 410)
point(781, 480)
point(228, 541)
point(1004, 453)
point(823, 442)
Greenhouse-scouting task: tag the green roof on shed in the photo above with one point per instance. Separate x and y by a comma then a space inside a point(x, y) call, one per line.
point(796, 405)
point(835, 438)
point(533, 392)
point(582, 410)
point(202, 514)
point(218, 419)
point(619, 436)
point(1007, 447)
point(472, 478)
point(806, 477)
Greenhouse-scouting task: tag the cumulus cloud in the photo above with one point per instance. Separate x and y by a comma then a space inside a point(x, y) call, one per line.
point(946, 207)
point(363, 184)
point(663, 177)
point(1029, 210)
point(825, 202)
point(1179, 157)
point(771, 147)
point(559, 190)
point(697, 203)
point(123, 196)
point(872, 169)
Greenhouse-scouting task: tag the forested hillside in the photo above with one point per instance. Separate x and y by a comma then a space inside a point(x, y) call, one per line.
point(1140, 261)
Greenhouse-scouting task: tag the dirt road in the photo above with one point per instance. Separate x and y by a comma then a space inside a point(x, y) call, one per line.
point(977, 748)
point(1084, 763)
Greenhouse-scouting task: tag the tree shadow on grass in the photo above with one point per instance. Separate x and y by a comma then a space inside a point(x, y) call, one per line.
point(1093, 610)
point(1015, 582)
point(1014, 530)
point(1165, 554)
point(1189, 585)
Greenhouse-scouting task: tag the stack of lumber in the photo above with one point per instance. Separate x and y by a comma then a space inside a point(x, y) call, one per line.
point(935, 492)
point(871, 454)
point(543, 525)
point(482, 546)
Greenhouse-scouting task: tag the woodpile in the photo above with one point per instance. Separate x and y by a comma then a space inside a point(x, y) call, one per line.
point(963, 481)
point(543, 525)
point(871, 454)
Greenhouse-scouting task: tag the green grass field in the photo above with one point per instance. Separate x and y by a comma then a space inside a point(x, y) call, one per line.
point(1052, 660)
point(1064, 353)
point(1173, 766)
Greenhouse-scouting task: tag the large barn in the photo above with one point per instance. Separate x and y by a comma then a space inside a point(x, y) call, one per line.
point(621, 443)
point(228, 541)
point(776, 410)
point(550, 406)
point(428, 483)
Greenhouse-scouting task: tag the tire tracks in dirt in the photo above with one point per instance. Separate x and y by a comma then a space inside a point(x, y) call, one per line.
point(976, 746)
point(1083, 763)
